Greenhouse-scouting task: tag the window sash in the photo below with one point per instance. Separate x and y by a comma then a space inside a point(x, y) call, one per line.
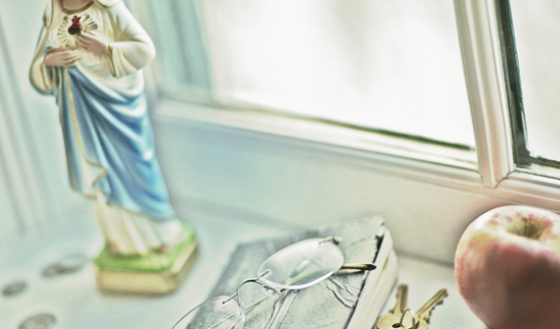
point(523, 159)
point(478, 31)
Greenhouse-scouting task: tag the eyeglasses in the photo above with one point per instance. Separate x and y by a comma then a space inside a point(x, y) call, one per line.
point(295, 267)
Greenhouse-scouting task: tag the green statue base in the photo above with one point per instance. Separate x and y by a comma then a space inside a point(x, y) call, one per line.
point(154, 274)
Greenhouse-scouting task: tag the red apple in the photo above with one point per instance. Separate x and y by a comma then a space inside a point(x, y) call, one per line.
point(507, 267)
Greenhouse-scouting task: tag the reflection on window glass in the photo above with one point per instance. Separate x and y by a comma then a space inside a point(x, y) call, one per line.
point(392, 65)
point(537, 31)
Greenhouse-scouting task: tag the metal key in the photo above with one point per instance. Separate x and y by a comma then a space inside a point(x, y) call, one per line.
point(393, 318)
point(425, 311)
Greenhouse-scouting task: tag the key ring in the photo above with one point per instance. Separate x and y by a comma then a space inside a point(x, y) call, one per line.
point(414, 321)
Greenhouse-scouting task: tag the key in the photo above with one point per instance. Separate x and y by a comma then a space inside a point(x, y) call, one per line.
point(392, 319)
point(425, 311)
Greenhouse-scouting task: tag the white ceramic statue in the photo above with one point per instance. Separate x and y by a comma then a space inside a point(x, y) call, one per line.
point(90, 57)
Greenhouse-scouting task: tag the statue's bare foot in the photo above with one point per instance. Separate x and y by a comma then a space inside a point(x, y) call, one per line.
point(171, 233)
point(112, 247)
point(163, 249)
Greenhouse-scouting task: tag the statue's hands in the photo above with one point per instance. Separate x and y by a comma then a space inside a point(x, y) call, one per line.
point(92, 43)
point(61, 57)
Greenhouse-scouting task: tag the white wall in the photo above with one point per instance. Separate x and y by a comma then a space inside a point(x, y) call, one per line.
point(21, 22)
point(7, 211)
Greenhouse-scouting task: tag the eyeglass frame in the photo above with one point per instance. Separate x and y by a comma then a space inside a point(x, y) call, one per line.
point(243, 310)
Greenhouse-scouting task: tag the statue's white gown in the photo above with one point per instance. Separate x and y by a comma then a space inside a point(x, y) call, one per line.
point(106, 128)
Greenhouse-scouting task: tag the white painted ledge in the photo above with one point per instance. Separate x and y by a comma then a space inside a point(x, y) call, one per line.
point(426, 161)
point(432, 164)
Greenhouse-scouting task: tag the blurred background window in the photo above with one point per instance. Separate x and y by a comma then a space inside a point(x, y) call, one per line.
point(384, 66)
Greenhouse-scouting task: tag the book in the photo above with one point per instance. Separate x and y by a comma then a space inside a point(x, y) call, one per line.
point(346, 300)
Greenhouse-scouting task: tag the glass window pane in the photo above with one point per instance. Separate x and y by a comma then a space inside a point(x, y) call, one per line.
point(182, 58)
point(391, 65)
point(536, 28)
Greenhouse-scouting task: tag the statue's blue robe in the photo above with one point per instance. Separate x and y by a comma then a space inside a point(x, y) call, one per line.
point(115, 133)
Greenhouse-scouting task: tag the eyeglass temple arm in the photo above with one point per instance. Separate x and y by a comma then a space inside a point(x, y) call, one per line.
point(361, 267)
point(334, 239)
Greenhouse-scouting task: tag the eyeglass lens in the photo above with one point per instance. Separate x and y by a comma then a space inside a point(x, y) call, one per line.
point(225, 313)
point(297, 266)
point(302, 264)
point(217, 313)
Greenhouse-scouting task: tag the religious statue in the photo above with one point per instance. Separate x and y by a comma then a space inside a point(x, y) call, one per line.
point(90, 57)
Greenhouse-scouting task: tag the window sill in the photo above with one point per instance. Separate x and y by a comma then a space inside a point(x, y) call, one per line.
point(423, 161)
point(418, 161)
point(424, 279)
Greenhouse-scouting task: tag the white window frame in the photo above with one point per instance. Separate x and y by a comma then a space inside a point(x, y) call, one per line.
point(480, 41)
